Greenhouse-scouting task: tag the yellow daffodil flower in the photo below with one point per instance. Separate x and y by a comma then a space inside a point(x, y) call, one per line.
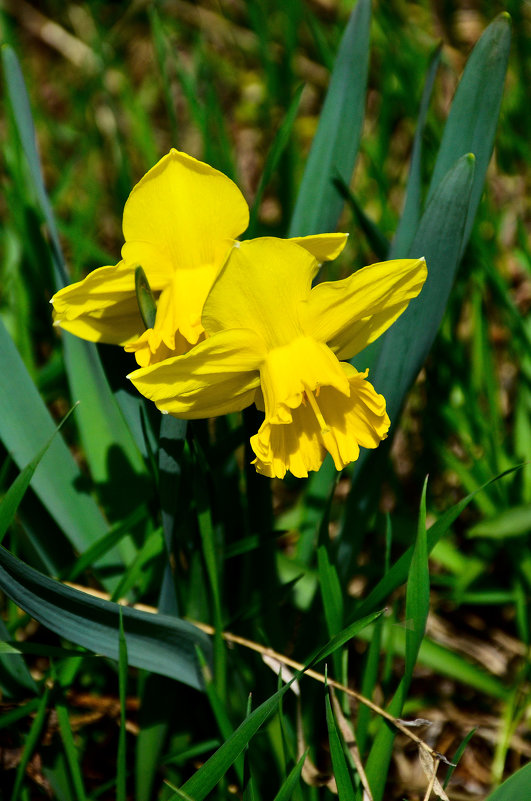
point(180, 222)
point(275, 341)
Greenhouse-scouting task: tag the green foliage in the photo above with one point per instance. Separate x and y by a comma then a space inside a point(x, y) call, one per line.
point(142, 510)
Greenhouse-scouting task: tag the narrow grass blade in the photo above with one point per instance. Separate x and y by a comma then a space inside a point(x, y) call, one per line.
point(121, 760)
point(457, 756)
point(14, 674)
point(292, 780)
point(206, 778)
point(418, 591)
point(30, 743)
point(409, 220)
point(20, 106)
point(160, 44)
point(155, 642)
point(25, 427)
point(397, 575)
point(211, 772)
point(152, 548)
point(473, 117)
point(25, 710)
point(218, 709)
point(375, 238)
point(13, 497)
point(443, 662)
point(417, 606)
point(331, 592)
point(105, 544)
point(212, 564)
point(345, 788)
point(514, 522)
point(273, 157)
point(335, 146)
point(159, 705)
point(517, 786)
point(70, 750)
point(341, 638)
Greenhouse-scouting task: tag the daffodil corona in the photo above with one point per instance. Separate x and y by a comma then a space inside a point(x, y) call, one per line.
point(274, 341)
point(180, 223)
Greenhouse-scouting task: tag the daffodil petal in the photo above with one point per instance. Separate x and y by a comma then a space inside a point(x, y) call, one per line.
point(351, 313)
point(295, 447)
point(102, 307)
point(260, 288)
point(150, 348)
point(324, 247)
point(181, 304)
point(300, 446)
point(287, 373)
point(219, 375)
point(182, 214)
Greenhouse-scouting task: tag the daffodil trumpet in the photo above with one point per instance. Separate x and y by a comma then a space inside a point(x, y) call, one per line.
point(275, 341)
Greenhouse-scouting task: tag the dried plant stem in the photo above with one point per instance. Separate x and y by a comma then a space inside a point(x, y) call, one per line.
point(285, 660)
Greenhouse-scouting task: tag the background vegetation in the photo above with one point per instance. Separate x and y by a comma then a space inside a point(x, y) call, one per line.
point(172, 518)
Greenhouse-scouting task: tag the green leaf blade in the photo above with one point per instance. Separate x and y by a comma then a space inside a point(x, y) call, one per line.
point(155, 642)
point(336, 142)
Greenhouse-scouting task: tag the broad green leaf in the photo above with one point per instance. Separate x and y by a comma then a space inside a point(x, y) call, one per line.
point(25, 427)
point(409, 220)
point(516, 788)
point(439, 239)
point(108, 443)
point(473, 117)
point(156, 642)
point(114, 459)
point(121, 759)
point(335, 146)
point(171, 446)
point(418, 591)
point(345, 789)
point(401, 351)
